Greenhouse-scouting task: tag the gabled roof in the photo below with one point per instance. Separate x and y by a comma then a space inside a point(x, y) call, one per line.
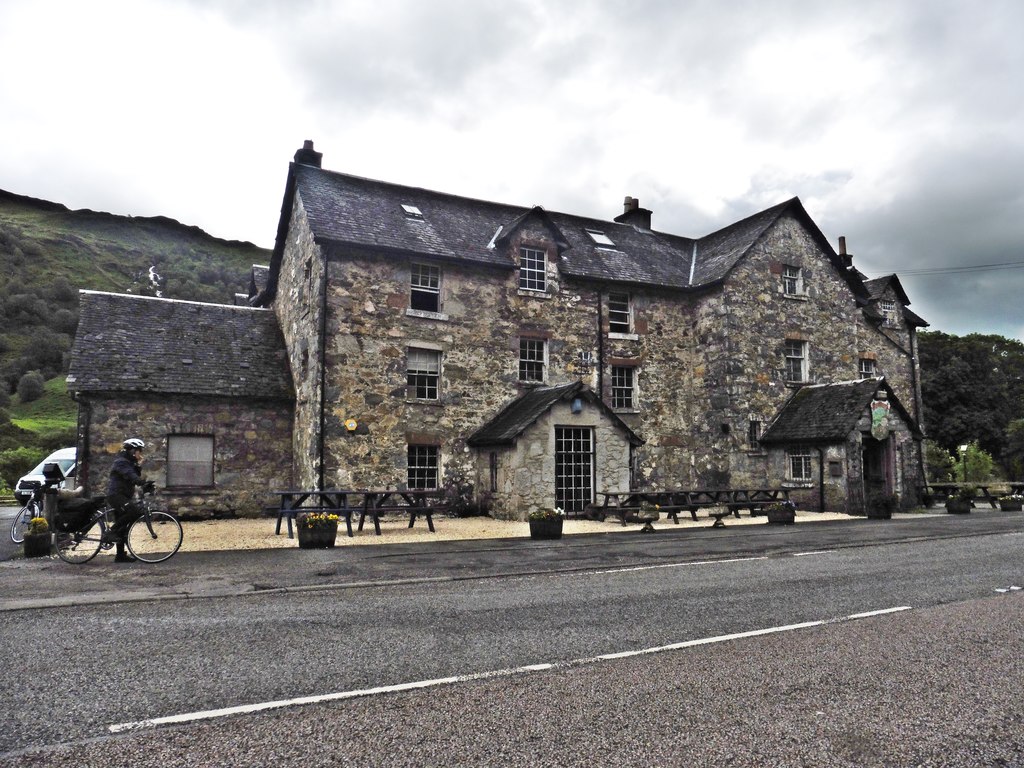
point(518, 415)
point(828, 413)
point(877, 287)
point(130, 343)
point(350, 210)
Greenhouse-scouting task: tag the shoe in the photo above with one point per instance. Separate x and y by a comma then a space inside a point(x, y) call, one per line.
point(125, 558)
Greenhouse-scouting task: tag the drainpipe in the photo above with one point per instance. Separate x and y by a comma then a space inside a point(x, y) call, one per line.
point(821, 478)
point(600, 346)
point(323, 375)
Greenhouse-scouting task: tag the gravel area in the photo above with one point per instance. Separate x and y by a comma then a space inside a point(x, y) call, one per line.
point(211, 535)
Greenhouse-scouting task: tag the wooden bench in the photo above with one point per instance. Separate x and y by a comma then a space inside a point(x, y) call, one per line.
point(414, 502)
point(720, 503)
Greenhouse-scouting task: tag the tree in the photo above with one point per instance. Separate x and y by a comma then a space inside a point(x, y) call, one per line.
point(973, 465)
point(31, 386)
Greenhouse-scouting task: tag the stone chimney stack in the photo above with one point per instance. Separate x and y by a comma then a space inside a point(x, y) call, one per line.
point(844, 257)
point(307, 155)
point(633, 214)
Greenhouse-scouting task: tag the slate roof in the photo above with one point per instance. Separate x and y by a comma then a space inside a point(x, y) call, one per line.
point(876, 289)
point(131, 343)
point(828, 413)
point(351, 210)
point(518, 415)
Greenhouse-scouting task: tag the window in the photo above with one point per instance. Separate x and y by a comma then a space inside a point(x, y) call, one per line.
point(792, 280)
point(620, 313)
point(423, 371)
point(867, 368)
point(411, 211)
point(600, 237)
point(622, 387)
point(532, 269)
point(425, 288)
point(492, 460)
point(422, 466)
point(574, 468)
point(799, 464)
point(754, 435)
point(888, 307)
point(190, 461)
point(532, 354)
point(796, 361)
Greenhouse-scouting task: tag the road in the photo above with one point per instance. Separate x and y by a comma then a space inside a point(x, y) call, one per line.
point(938, 684)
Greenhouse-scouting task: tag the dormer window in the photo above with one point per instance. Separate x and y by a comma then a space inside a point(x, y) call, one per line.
point(600, 238)
point(412, 212)
point(532, 269)
point(888, 308)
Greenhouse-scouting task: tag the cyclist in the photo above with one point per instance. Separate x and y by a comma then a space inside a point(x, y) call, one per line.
point(125, 474)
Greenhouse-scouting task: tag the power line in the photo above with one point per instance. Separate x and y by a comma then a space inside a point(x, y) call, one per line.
point(958, 270)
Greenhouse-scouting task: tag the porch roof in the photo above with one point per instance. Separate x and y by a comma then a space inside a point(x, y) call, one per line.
point(828, 413)
point(512, 420)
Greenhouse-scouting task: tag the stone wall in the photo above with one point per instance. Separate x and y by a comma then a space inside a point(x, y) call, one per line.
point(708, 363)
point(252, 447)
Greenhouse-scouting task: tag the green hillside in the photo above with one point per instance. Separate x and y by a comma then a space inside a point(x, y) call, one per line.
point(48, 252)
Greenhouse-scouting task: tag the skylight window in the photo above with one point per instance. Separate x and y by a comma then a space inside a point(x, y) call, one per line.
point(600, 237)
point(412, 211)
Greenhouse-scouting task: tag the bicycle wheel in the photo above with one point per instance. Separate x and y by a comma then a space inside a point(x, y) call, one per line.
point(20, 524)
point(155, 539)
point(81, 546)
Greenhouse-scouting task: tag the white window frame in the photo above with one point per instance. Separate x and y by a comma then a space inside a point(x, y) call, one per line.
point(866, 368)
point(796, 350)
point(624, 387)
point(799, 463)
point(620, 313)
point(888, 309)
point(792, 280)
point(533, 356)
point(533, 269)
point(423, 373)
point(425, 285)
point(190, 461)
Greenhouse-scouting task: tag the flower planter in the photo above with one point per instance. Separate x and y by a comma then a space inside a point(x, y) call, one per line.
point(879, 513)
point(37, 544)
point(781, 516)
point(318, 537)
point(546, 528)
point(958, 507)
point(1010, 506)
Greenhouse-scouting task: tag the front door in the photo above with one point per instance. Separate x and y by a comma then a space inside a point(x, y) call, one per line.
point(574, 468)
point(877, 475)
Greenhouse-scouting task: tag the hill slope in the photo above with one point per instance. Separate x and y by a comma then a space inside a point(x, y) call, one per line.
point(48, 252)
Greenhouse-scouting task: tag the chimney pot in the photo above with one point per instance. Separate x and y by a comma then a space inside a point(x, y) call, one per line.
point(632, 213)
point(842, 246)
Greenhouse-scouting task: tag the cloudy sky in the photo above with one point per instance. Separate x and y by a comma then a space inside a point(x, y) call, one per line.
point(899, 124)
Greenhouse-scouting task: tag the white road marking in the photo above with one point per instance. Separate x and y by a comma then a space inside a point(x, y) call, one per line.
point(211, 714)
point(672, 565)
point(817, 552)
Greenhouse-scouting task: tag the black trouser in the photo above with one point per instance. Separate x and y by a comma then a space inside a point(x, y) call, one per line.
point(125, 512)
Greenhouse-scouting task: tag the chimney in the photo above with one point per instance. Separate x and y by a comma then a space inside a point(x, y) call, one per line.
point(845, 258)
point(307, 155)
point(633, 214)
point(842, 245)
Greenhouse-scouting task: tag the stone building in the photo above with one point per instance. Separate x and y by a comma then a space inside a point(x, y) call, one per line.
point(544, 357)
point(207, 387)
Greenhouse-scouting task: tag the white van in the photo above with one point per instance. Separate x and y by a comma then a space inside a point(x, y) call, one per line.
point(66, 458)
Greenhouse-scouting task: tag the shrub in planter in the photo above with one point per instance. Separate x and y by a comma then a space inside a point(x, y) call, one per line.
point(782, 513)
point(546, 523)
point(880, 506)
point(37, 538)
point(1011, 503)
point(961, 501)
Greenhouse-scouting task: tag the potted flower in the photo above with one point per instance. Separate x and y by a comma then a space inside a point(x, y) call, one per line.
point(880, 506)
point(781, 513)
point(37, 538)
point(317, 530)
point(1011, 503)
point(960, 501)
point(546, 523)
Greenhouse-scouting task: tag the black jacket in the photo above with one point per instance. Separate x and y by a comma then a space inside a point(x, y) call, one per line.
point(124, 476)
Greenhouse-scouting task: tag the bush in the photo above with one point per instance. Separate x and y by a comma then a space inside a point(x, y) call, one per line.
point(973, 465)
point(18, 461)
point(31, 386)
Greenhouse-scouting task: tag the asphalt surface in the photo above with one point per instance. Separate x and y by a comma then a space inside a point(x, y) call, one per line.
point(41, 582)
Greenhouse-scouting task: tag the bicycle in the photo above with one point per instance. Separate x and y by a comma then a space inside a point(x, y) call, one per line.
point(33, 508)
point(152, 537)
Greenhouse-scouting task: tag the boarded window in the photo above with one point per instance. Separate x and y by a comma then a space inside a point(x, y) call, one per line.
point(190, 461)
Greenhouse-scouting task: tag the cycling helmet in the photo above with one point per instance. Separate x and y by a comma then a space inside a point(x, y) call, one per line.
point(133, 444)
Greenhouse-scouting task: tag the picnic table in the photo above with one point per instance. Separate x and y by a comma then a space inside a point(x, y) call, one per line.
point(415, 501)
point(942, 491)
point(720, 503)
point(329, 501)
point(367, 502)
